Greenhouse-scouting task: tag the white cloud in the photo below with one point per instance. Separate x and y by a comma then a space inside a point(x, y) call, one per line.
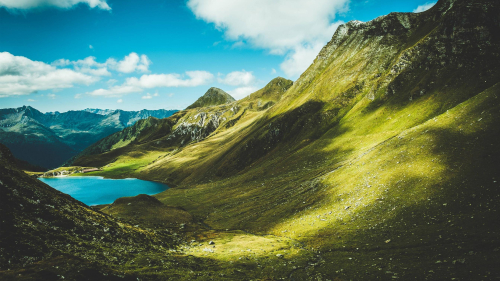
point(300, 59)
point(283, 27)
point(61, 62)
point(424, 7)
point(273, 71)
point(64, 4)
point(148, 81)
point(242, 92)
point(132, 62)
point(22, 76)
point(195, 78)
point(31, 100)
point(171, 95)
point(91, 47)
point(78, 96)
point(149, 96)
point(51, 96)
point(116, 91)
point(119, 101)
point(238, 78)
point(89, 65)
point(238, 44)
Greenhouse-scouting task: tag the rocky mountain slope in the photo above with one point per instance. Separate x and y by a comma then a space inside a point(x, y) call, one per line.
point(61, 238)
point(380, 162)
point(49, 139)
point(184, 127)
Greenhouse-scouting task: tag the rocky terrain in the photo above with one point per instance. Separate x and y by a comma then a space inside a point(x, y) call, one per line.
point(380, 162)
point(50, 139)
point(41, 227)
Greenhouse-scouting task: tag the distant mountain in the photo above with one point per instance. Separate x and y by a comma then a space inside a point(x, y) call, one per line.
point(214, 96)
point(99, 111)
point(49, 139)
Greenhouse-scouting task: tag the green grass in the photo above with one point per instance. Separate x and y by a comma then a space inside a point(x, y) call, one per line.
point(379, 163)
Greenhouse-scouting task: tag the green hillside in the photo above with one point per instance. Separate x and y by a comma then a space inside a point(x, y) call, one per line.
point(214, 96)
point(380, 162)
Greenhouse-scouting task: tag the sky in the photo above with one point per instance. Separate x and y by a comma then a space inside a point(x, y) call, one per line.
point(60, 55)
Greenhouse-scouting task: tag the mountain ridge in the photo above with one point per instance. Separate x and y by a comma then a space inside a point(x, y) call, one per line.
point(34, 136)
point(379, 162)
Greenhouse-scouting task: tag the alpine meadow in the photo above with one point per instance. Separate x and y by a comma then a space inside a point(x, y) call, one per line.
point(379, 162)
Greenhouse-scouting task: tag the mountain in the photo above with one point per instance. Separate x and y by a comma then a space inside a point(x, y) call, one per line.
point(380, 162)
point(49, 139)
point(184, 127)
point(99, 111)
point(58, 237)
point(214, 96)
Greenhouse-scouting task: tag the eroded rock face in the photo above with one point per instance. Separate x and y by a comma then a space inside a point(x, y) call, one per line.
point(203, 123)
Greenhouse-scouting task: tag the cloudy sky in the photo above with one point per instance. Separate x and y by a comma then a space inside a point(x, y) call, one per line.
point(60, 55)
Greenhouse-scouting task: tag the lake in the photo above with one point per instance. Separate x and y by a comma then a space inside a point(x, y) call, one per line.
point(98, 190)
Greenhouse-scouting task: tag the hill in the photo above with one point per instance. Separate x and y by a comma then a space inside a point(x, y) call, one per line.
point(46, 234)
point(379, 162)
point(50, 139)
point(214, 96)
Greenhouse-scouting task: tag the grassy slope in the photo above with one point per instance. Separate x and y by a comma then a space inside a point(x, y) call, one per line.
point(381, 159)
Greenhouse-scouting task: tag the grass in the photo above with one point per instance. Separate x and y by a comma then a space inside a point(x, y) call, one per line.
point(379, 163)
point(128, 166)
point(357, 202)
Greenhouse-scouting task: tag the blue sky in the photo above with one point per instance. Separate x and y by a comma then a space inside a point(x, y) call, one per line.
point(60, 55)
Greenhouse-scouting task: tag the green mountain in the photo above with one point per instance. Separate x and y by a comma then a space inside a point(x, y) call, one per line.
point(50, 139)
point(380, 162)
point(181, 129)
point(214, 96)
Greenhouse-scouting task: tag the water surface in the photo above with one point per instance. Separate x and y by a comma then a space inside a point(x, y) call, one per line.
point(98, 190)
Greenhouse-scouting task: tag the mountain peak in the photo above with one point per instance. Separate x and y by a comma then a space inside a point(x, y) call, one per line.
point(214, 96)
point(273, 90)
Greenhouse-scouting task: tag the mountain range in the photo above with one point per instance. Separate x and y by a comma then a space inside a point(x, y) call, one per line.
point(50, 139)
point(380, 162)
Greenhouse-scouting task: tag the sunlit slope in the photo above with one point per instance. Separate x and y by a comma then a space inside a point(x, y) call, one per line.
point(151, 142)
point(387, 146)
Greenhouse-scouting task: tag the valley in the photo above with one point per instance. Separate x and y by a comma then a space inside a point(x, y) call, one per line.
point(380, 162)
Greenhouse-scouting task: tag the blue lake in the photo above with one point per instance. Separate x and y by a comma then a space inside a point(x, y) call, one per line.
point(98, 190)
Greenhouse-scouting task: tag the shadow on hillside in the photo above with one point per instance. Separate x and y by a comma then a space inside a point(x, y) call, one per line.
point(434, 222)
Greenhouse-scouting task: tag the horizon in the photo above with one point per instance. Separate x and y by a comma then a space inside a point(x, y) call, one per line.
point(89, 108)
point(90, 54)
